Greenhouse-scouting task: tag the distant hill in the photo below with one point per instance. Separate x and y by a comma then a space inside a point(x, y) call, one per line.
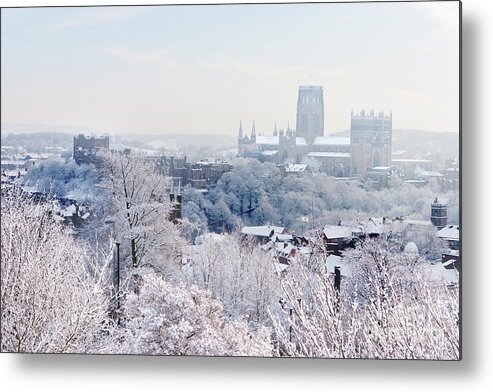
point(181, 140)
point(37, 141)
point(421, 143)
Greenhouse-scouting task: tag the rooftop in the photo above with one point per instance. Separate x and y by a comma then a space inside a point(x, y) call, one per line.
point(329, 154)
point(261, 231)
point(332, 141)
point(450, 232)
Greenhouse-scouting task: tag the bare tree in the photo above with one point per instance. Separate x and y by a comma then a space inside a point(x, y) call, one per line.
point(166, 319)
point(142, 210)
point(54, 298)
point(238, 273)
point(388, 307)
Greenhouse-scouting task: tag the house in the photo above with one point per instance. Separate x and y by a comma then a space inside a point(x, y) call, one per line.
point(451, 234)
point(451, 260)
point(338, 237)
point(263, 233)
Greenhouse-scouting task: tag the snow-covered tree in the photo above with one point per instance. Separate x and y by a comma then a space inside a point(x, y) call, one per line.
point(142, 209)
point(387, 307)
point(238, 273)
point(67, 180)
point(54, 297)
point(166, 319)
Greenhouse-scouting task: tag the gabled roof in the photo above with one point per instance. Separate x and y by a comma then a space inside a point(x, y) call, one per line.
point(333, 231)
point(451, 232)
point(261, 231)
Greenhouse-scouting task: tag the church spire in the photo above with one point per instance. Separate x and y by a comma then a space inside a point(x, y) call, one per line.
point(275, 129)
point(253, 136)
point(240, 132)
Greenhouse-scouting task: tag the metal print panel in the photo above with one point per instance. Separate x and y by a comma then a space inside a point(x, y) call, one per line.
point(265, 180)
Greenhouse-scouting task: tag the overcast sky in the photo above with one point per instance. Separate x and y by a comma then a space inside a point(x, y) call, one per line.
point(202, 69)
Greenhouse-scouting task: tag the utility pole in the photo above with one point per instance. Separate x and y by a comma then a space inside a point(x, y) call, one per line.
point(117, 283)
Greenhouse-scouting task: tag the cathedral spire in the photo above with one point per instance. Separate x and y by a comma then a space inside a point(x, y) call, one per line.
point(253, 136)
point(275, 128)
point(240, 132)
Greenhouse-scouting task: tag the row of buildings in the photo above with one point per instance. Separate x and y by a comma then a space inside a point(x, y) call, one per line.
point(409, 234)
point(198, 175)
point(365, 154)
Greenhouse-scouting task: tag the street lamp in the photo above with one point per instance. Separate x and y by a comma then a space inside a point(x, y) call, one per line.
point(116, 272)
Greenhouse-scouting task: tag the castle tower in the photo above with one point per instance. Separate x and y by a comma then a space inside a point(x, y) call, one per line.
point(310, 113)
point(438, 214)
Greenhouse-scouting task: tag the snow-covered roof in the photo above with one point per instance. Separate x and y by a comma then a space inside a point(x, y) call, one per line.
point(431, 174)
point(332, 141)
point(261, 231)
point(269, 152)
point(329, 154)
point(417, 222)
point(300, 141)
point(399, 153)
point(380, 168)
point(332, 231)
point(296, 168)
point(274, 140)
point(12, 162)
point(453, 169)
point(70, 210)
point(284, 249)
point(282, 237)
point(11, 173)
point(411, 160)
point(451, 232)
point(269, 140)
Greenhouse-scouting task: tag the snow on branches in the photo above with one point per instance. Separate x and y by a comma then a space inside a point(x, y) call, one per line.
point(166, 319)
point(53, 296)
point(387, 307)
point(142, 207)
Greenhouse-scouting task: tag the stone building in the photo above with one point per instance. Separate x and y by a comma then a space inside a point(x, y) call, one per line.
point(87, 147)
point(310, 113)
point(369, 144)
point(371, 141)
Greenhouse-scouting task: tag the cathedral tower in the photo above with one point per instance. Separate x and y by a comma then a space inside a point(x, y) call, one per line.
point(371, 141)
point(310, 113)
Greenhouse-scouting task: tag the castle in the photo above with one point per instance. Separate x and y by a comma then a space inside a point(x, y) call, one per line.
point(87, 147)
point(368, 146)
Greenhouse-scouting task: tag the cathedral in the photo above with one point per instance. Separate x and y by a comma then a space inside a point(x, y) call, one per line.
point(369, 144)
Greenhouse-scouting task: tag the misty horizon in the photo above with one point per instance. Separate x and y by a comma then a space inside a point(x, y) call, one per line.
point(161, 69)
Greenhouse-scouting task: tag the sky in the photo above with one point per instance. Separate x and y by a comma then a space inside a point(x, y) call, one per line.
point(203, 69)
